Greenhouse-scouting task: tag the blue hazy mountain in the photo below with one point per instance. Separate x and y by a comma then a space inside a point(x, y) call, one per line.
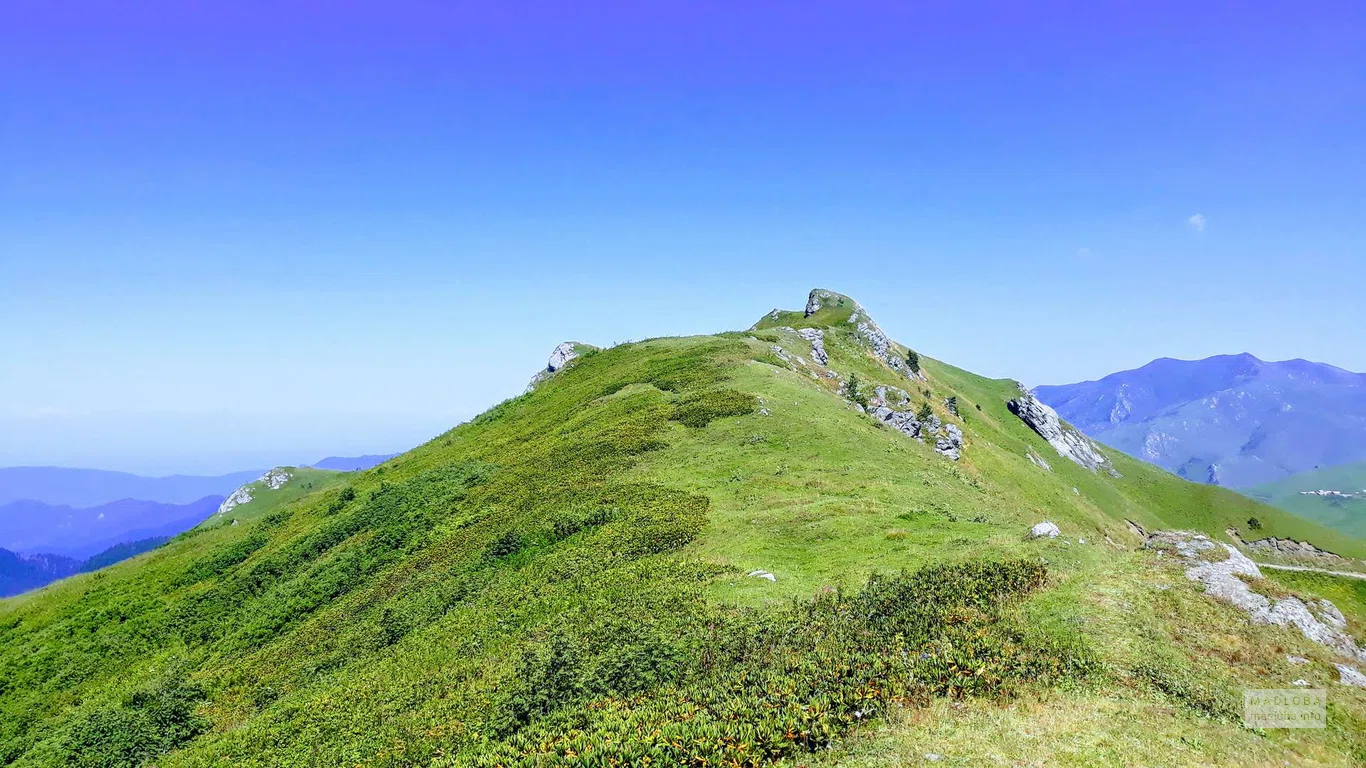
point(353, 463)
point(34, 527)
point(1233, 420)
point(92, 487)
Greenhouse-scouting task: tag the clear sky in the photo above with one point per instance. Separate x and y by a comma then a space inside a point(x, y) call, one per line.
point(237, 234)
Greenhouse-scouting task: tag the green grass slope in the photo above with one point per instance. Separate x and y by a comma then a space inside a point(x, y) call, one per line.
point(303, 481)
point(565, 580)
point(1345, 513)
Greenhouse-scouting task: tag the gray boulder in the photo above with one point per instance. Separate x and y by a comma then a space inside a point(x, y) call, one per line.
point(1044, 530)
point(1067, 441)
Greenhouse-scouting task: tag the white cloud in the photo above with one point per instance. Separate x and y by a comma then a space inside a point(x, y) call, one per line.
point(1197, 222)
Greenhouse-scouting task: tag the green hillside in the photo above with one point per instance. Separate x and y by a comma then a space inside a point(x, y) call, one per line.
point(1344, 510)
point(298, 482)
point(682, 551)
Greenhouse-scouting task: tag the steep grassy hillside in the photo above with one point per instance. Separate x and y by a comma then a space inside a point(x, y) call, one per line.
point(1334, 497)
point(692, 551)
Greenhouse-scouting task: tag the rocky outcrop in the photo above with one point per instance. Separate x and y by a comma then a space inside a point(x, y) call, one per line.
point(817, 338)
point(1287, 547)
point(866, 331)
point(565, 353)
point(1320, 620)
point(235, 499)
point(948, 439)
point(275, 479)
point(1065, 440)
point(1350, 676)
point(950, 443)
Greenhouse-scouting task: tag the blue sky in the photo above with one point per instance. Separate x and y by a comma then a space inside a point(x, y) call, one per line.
point(242, 234)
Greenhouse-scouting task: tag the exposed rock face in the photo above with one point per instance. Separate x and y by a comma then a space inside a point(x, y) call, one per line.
point(1350, 676)
point(560, 357)
point(951, 442)
point(1044, 530)
point(1066, 441)
point(817, 338)
point(275, 479)
point(948, 439)
point(1288, 547)
point(1320, 621)
point(240, 496)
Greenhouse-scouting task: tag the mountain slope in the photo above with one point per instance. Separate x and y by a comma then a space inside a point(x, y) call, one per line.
point(1335, 497)
point(687, 549)
point(1231, 420)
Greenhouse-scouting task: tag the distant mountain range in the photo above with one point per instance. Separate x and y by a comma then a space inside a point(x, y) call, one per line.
point(34, 527)
point(20, 573)
point(353, 463)
point(1230, 420)
point(92, 487)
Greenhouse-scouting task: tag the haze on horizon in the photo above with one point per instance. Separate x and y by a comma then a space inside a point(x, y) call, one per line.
point(259, 234)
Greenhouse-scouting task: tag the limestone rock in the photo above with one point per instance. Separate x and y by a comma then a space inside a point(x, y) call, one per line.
point(275, 479)
point(951, 442)
point(563, 354)
point(817, 338)
point(948, 439)
point(1288, 547)
point(1067, 441)
point(236, 498)
point(1221, 581)
point(1350, 676)
point(1044, 530)
point(763, 575)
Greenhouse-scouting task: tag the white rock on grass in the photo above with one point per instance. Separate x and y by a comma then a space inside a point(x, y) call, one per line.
point(1221, 580)
point(1044, 530)
point(817, 338)
point(275, 479)
point(1350, 676)
point(240, 496)
point(1067, 441)
point(763, 575)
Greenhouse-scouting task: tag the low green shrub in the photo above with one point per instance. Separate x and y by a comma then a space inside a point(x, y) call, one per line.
point(758, 687)
point(699, 410)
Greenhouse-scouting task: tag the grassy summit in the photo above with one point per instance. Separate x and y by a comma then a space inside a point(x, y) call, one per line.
point(566, 579)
